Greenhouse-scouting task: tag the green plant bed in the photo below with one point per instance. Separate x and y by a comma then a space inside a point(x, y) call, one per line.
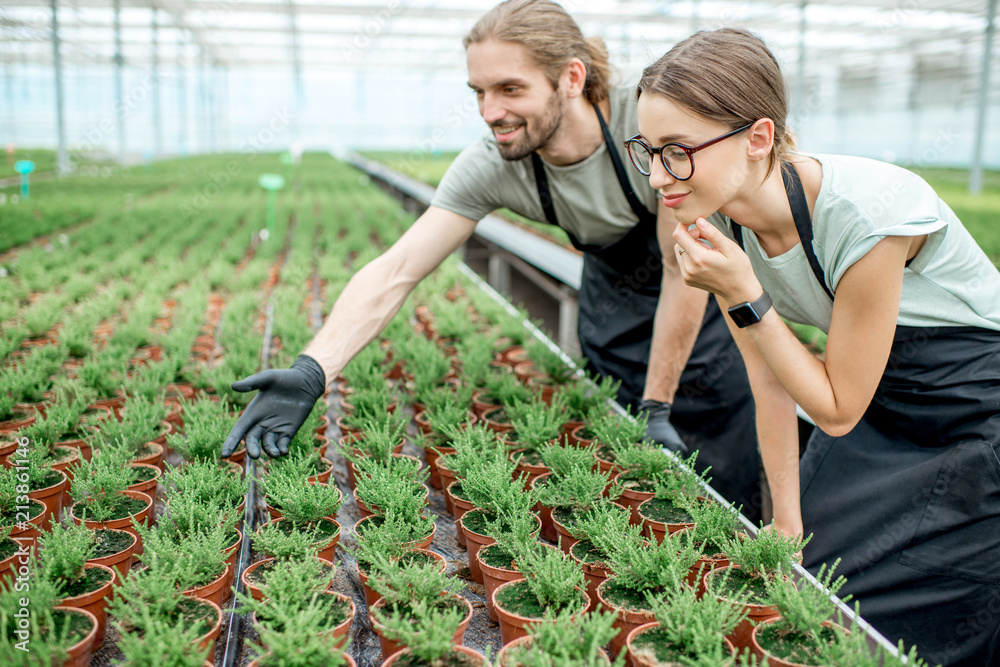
point(126, 508)
point(495, 556)
point(625, 597)
point(8, 548)
point(654, 643)
point(518, 598)
point(739, 587)
point(792, 646)
point(664, 511)
point(93, 578)
point(111, 542)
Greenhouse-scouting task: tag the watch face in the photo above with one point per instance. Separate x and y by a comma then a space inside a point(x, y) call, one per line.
point(744, 315)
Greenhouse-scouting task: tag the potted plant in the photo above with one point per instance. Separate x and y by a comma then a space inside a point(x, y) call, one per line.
point(611, 433)
point(101, 498)
point(715, 526)
point(390, 483)
point(688, 630)
point(642, 468)
point(512, 534)
point(495, 494)
point(574, 493)
point(502, 391)
point(603, 519)
point(280, 548)
point(552, 583)
point(546, 369)
point(113, 548)
point(207, 422)
point(10, 551)
point(640, 569)
point(45, 485)
point(365, 403)
point(164, 643)
point(81, 585)
point(585, 397)
point(298, 645)
point(209, 483)
point(673, 495)
point(798, 636)
point(405, 587)
point(145, 601)
point(471, 449)
point(393, 539)
point(140, 433)
point(429, 638)
point(398, 500)
point(754, 564)
point(53, 636)
point(19, 514)
point(568, 641)
point(379, 438)
point(560, 460)
point(306, 507)
point(292, 600)
point(536, 424)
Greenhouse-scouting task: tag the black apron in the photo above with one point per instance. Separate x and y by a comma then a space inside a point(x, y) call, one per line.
point(909, 500)
point(713, 408)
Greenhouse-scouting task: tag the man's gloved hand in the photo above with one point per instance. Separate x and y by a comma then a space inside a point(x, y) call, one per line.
point(659, 429)
point(275, 414)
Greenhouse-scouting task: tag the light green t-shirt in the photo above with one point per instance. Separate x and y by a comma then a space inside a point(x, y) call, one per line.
point(587, 198)
point(950, 282)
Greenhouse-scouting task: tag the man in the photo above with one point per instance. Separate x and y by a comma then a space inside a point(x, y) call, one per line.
point(555, 153)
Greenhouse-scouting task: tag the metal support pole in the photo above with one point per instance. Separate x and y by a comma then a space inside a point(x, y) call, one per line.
point(296, 73)
point(8, 79)
point(976, 172)
point(800, 75)
point(119, 62)
point(181, 100)
point(202, 104)
point(498, 271)
point(157, 110)
point(62, 160)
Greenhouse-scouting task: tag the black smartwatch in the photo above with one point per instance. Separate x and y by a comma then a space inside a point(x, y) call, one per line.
point(749, 312)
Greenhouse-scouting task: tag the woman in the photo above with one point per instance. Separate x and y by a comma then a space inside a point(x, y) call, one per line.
point(901, 478)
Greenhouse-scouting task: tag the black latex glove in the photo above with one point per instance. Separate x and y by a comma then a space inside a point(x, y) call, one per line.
point(275, 414)
point(659, 429)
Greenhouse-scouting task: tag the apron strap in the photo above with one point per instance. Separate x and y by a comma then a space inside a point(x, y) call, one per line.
point(803, 225)
point(545, 195)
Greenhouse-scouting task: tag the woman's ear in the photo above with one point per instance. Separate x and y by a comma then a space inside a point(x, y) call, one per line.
point(574, 77)
point(760, 138)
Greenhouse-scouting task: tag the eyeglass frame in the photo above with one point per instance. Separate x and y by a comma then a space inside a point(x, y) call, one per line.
point(688, 150)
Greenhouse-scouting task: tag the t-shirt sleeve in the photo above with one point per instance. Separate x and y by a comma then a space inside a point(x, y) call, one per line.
point(468, 188)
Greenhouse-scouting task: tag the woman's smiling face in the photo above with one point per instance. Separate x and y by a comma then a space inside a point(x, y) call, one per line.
point(720, 171)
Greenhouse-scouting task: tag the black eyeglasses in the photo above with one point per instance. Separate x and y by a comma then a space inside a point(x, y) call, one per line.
point(677, 159)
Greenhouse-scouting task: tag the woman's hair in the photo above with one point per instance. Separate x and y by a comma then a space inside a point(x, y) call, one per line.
point(728, 76)
point(552, 38)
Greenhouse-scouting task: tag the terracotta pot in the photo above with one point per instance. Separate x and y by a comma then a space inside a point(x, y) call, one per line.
point(153, 459)
point(210, 638)
point(638, 661)
point(465, 650)
point(68, 463)
point(121, 561)
point(480, 407)
point(626, 620)
point(257, 592)
point(213, 590)
point(80, 652)
point(125, 523)
point(514, 625)
point(631, 499)
point(764, 657)
point(495, 426)
point(544, 512)
point(658, 529)
point(30, 530)
point(338, 634)
point(232, 553)
point(594, 573)
point(327, 549)
point(431, 456)
point(324, 476)
point(7, 448)
point(371, 596)
point(696, 575)
point(576, 437)
point(565, 538)
point(95, 602)
point(114, 404)
point(9, 565)
point(741, 636)
point(22, 417)
point(389, 646)
point(504, 654)
point(52, 498)
point(349, 466)
point(529, 471)
point(416, 544)
point(237, 457)
point(475, 541)
point(459, 507)
point(148, 487)
point(493, 578)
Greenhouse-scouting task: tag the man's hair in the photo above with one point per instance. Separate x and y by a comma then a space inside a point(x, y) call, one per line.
point(552, 38)
point(728, 76)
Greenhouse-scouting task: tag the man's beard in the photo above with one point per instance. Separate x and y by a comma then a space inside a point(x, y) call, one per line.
point(545, 128)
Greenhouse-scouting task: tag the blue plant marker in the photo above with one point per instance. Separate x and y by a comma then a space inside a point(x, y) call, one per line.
point(272, 183)
point(24, 167)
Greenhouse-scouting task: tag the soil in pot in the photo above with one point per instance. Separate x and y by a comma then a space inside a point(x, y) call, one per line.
point(648, 647)
point(328, 529)
point(92, 592)
point(114, 548)
point(390, 646)
point(630, 608)
point(791, 647)
point(337, 620)
point(753, 598)
point(22, 529)
point(50, 493)
point(498, 567)
point(460, 656)
point(80, 636)
point(661, 517)
point(595, 569)
point(136, 506)
point(419, 556)
point(518, 608)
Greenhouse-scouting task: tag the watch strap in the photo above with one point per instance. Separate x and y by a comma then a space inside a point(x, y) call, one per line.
point(750, 312)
